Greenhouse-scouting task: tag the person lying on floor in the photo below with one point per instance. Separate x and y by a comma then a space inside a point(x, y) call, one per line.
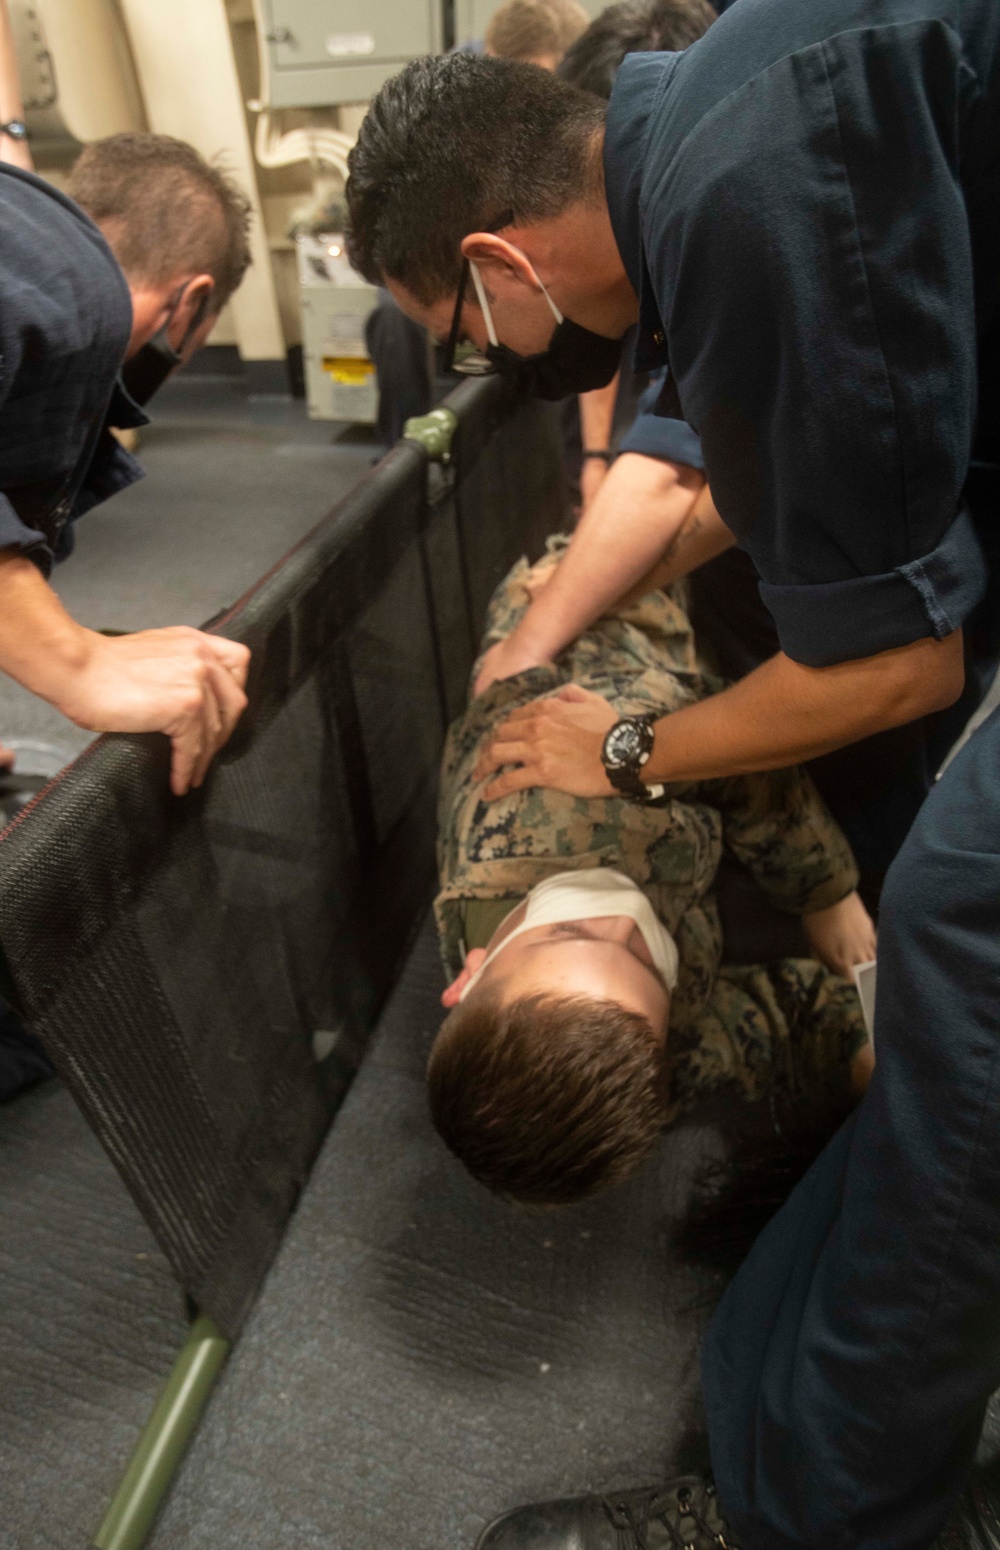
point(588, 1003)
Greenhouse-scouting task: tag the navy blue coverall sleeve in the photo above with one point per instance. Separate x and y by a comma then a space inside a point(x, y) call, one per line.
point(657, 435)
point(821, 332)
point(672, 441)
point(14, 534)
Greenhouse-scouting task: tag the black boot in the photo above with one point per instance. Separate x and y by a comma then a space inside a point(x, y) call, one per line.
point(683, 1515)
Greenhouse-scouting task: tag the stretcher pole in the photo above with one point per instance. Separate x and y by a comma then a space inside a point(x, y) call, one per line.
point(164, 1439)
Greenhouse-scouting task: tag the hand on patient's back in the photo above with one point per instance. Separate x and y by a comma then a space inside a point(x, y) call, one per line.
point(553, 742)
point(516, 653)
point(842, 935)
point(179, 681)
point(505, 659)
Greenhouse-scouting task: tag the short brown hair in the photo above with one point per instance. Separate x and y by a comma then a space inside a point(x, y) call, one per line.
point(529, 29)
point(165, 210)
point(548, 1099)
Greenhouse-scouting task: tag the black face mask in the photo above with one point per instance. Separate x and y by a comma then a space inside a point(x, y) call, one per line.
point(575, 361)
point(150, 367)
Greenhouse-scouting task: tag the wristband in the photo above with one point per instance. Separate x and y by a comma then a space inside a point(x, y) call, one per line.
point(604, 453)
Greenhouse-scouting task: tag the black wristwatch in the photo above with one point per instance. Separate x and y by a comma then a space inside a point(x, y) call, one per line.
point(626, 749)
point(16, 128)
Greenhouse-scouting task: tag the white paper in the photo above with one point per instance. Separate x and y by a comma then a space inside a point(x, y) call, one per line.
point(864, 979)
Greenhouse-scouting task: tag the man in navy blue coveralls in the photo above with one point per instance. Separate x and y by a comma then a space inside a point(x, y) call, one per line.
point(807, 205)
point(852, 318)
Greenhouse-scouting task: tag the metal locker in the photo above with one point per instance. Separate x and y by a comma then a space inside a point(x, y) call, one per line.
point(323, 52)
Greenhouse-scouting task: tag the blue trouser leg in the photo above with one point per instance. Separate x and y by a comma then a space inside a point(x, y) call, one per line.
point(398, 348)
point(847, 1368)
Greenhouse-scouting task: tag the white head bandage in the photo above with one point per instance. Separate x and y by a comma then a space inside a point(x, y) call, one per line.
point(591, 895)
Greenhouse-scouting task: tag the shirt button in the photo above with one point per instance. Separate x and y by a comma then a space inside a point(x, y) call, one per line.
point(658, 336)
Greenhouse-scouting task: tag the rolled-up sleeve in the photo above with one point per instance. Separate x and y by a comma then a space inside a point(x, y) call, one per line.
point(822, 334)
point(15, 534)
point(672, 441)
point(929, 596)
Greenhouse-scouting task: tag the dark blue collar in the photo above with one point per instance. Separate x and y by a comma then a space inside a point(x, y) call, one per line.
point(638, 89)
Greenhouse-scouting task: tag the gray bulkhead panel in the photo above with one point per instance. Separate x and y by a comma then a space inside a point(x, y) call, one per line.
point(322, 54)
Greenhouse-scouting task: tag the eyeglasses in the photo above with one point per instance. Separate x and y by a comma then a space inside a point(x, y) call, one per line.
point(473, 363)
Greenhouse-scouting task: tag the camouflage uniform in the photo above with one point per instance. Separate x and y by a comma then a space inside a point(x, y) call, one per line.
point(790, 1024)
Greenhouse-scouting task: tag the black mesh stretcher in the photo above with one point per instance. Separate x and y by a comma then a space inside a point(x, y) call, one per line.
point(204, 971)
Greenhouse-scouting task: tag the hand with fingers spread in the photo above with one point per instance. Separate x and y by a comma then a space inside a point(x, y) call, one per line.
point(554, 742)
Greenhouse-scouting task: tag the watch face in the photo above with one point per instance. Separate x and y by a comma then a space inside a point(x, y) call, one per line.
point(624, 745)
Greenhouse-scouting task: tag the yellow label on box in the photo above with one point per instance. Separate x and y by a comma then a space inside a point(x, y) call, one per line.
point(348, 370)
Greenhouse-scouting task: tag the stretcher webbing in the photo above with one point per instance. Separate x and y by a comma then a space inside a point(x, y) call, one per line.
point(204, 971)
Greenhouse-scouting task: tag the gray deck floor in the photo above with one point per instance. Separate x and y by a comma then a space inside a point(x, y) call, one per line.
point(90, 1322)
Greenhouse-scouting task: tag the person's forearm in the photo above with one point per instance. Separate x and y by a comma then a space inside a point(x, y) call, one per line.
point(638, 510)
point(784, 713)
point(11, 100)
point(41, 646)
point(597, 414)
point(703, 536)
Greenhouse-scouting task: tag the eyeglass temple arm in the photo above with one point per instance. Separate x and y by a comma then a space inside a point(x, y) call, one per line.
point(456, 321)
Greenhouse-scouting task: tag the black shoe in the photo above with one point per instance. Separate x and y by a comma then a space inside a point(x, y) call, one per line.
point(683, 1515)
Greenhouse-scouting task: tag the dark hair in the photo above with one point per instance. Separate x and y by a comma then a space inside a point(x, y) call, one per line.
point(547, 1100)
point(451, 145)
point(632, 27)
point(527, 29)
point(165, 210)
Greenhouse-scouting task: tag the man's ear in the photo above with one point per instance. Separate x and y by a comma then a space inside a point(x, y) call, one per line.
point(474, 959)
point(192, 312)
point(500, 260)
